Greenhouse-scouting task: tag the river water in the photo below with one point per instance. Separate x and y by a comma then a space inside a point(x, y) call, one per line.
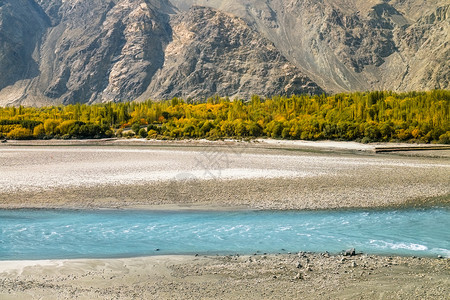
point(60, 234)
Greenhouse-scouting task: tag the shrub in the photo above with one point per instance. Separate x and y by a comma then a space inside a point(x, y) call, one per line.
point(128, 134)
point(136, 127)
point(143, 133)
point(65, 127)
point(39, 131)
point(119, 132)
point(254, 129)
point(109, 133)
point(403, 134)
point(365, 140)
point(152, 134)
point(445, 138)
point(50, 126)
point(20, 134)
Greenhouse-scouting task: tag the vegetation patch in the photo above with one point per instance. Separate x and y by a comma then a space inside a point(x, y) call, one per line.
point(365, 117)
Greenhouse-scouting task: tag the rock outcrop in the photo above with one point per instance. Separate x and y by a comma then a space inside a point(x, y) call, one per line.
point(215, 53)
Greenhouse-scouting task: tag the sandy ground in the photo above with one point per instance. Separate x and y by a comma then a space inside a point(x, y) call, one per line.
point(295, 276)
point(225, 175)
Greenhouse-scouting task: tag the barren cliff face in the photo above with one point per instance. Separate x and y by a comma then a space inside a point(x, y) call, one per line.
point(66, 51)
point(22, 24)
point(347, 45)
point(98, 50)
point(215, 53)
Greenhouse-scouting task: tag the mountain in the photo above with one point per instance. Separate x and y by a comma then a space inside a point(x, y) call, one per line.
point(92, 50)
point(351, 45)
point(22, 24)
point(67, 51)
point(214, 53)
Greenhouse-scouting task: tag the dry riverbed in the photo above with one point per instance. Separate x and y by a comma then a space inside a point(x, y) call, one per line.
point(225, 175)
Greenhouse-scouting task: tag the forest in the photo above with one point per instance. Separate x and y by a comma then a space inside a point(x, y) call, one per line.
point(361, 116)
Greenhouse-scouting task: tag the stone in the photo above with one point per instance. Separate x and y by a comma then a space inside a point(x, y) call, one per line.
point(350, 252)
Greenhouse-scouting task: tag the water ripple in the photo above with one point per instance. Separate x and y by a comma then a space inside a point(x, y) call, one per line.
point(41, 234)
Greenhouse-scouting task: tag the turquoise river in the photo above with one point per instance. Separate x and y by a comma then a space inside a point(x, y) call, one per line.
point(61, 234)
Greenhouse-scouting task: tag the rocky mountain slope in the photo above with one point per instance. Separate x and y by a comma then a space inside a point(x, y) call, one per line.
point(215, 53)
point(348, 45)
point(66, 51)
point(94, 50)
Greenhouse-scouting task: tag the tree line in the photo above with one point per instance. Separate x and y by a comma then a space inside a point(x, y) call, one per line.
point(366, 117)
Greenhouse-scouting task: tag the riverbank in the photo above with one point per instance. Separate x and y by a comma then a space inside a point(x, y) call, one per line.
point(263, 142)
point(288, 276)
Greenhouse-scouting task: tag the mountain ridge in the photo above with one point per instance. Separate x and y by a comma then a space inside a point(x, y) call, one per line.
point(88, 51)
